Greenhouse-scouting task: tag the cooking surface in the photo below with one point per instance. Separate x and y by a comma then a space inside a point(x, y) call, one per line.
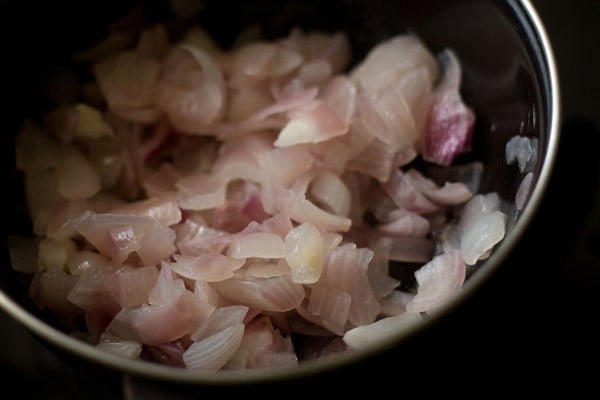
point(530, 330)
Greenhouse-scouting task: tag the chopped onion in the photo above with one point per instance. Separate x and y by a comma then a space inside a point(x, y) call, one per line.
point(305, 253)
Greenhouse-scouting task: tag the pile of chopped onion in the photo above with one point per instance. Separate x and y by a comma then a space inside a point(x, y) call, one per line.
point(256, 206)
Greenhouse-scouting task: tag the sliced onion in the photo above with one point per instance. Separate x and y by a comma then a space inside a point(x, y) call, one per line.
point(276, 294)
point(258, 244)
point(437, 281)
point(305, 253)
point(363, 337)
point(206, 267)
point(330, 190)
point(213, 352)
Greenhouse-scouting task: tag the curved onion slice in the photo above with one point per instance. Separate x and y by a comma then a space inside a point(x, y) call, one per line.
point(482, 225)
point(270, 294)
point(213, 352)
point(257, 244)
point(305, 253)
point(437, 280)
point(363, 337)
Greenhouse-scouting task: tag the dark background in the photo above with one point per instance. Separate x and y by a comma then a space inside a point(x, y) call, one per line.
point(531, 330)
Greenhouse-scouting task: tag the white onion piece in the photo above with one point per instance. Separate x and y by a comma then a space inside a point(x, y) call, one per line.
point(363, 337)
point(221, 318)
point(481, 226)
point(480, 237)
point(388, 61)
point(131, 286)
point(53, 254)
point(327, 308)
point(376, 159)
point(405, 223)
point(116, 236)
point(330, 308)
point(127, 82)
point(347, 269)
point(60, 223)
point(206, 293)
point(405, 194)
point(340, 95)
point(262, 60)
point(396, 114)
point(437, 281)
point(303, 210)
point(522, 150)
point(263, 345)
point(379, 270)
point(200, 192)
point(123, 348)
point(213, 352)
point(395, 302)
point(269, 294)
point(280, 223)
point(206, 267)
point(311, 125)
point(331, 191)
point(305, 253)
point(92, 291)
point(85, 259)
point(257, 244)
point(253, 59)
point(163, 323)
point(91, 124)
point(77, 177)
point(451, 193)
point(261, 268)
point(164, 210)
point(182, 93)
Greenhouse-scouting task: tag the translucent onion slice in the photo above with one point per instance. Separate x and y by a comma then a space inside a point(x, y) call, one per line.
point(125, 348)
point(221, 318)
point(257, 244)
point(330, 190)
point(77, 177)
point(54, 254)
point(83, 260)
point(482, 225)
point(437, 281)
point(278, 294)
point(305, 253)
point(331, 306)
point(206, 267)
point(115, 236)
point(311, 125)
point(363, 337)
point(213, 352)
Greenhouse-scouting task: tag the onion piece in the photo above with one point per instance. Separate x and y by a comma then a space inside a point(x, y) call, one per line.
point(364, 337)
point(206, 267)
point(213, 352)
point(305, 253)
point(437, 281)
point(277, 294)
point(257, 244)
